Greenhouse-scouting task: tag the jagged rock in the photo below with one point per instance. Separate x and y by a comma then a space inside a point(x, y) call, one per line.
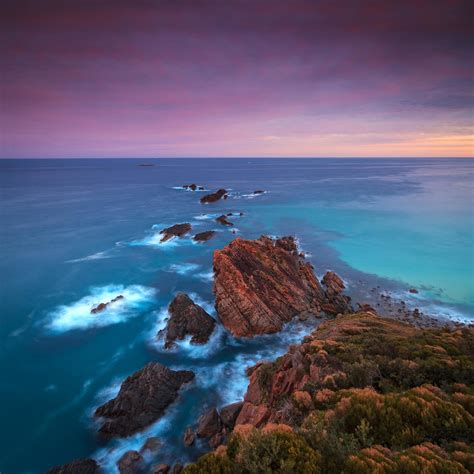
point(130, 463)
point(187, 319)
point(142, 399)
point(151, 445)
point(79, 466)
point(229, 414)
point(209, 424)
point(204, 236)
point(189, 436)
point(223, 220)
point(214, 197)
point(160, 468)
point(192, 187)
point(336, 302)
point(262, 284)
point(102, 306)
point(177, 230)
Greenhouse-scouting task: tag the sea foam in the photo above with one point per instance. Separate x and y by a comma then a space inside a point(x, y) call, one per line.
point(77, 315)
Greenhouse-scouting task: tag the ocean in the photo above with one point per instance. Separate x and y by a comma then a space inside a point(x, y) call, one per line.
point(75, 233)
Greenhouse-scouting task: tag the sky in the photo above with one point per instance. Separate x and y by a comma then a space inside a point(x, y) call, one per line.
point(169, 78)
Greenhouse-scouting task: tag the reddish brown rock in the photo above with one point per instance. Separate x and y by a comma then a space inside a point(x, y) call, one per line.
point(176, 468)
point(130, 463)
point(79, 466)
point(192, 186)
point(204, 236)
point(214, 197)
point(187, 319)
point(262, 284)
point(336, 302)
point(229, 414)
point(189, 436)
point(223, 220)
point(103, 306)
point(151, 445)
point(160, 468)
point(177, 230)
point(209, 424)
point(142, 399)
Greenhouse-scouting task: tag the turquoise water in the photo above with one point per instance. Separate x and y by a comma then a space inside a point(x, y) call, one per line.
point(78, 232)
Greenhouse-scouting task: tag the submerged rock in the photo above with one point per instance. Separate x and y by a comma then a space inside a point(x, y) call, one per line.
point(204, 236)
point(142, 399)
point(223, 220)
point(177, 230)
point(188, 319)
point(151, 445)
point(79, 466)
point(103, 306)
point(259, 191)
point(130, 463)
point(413, 290)
point(214, 197)
point(262, 284)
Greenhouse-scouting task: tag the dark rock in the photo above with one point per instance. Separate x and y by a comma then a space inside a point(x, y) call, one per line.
point(413, 290)
point(262, 284)
point(189, 436)
point(259, 191)
point(130, 463)
point(336, 302)
point(102, 306)
point(229, 414)
point(79, 466)
point(177, 230)
point(209, 424)
point(142, 399)
point(192, 187)
point(151, 445)
point(223, 220)
point(204, 236)
point(177, 468)
point(188, 319)
point(214, 197)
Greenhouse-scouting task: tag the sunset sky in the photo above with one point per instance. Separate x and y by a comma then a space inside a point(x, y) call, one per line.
point(159, 78)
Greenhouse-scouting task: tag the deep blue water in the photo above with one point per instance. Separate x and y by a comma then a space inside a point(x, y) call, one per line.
point(78, 232)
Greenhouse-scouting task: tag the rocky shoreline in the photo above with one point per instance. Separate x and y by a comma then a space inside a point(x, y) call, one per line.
point(259, 286)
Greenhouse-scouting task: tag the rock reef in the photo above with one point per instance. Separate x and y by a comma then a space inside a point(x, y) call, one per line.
point(262, 284)
point(177, 230)
point(187, 319)
point(204, 236)
point(103, 306)
point(142, 399)
point(214, 197)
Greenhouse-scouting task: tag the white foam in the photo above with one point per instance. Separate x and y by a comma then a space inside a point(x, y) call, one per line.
point(183, 268)
point(94, 256)
point(181, 188)
point(205, 217)
point(78, 315)
point(205, 276)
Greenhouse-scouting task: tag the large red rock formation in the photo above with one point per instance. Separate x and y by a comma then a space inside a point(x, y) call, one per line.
point(262, 284)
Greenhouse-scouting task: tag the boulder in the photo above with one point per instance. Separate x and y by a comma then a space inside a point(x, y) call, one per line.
point(204, 236)
point(177, 230)
point(130, 463)
point(160, 469)
point(336, 302)
point(209, 424)
point(142, 399)
point(229, 414)
point(189, 436)
point(223, 220)
point(152, 445)
point(79, 466)
point(413, 290)
point(192, 187)
point(262, 284)
point(214, 197)
point(187, 319)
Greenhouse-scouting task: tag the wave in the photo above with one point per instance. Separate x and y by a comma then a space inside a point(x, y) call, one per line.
point(183, 268)
point(77, 315)
point(94, 256)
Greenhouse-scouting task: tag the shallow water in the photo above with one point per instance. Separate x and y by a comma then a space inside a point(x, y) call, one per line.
point(78, 232)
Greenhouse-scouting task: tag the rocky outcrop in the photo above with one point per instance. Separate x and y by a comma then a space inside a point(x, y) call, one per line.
point(223, 220)
point(177, 230)
point(103, 306)
point(193, 187)
point(214, 197)
point(209, 424)
point(336, 302)
point(229, 414)
point(130, 463)
point(262, 284)
point(187, 319)
point(142, 399)
point(79, 466)
point(204, 236)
